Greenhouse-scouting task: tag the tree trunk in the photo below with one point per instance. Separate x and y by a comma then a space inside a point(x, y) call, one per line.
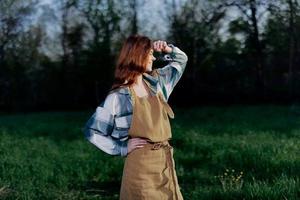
point(291, 48)
point(134, 29)
point(260, 82)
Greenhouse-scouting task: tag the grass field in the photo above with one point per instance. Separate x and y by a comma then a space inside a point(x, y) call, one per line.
point(234, 152)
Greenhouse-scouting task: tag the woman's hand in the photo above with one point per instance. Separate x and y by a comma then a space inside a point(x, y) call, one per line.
point(161, 46)
point(134, 143)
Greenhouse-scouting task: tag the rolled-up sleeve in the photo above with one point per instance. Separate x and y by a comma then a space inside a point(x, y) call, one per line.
point(99, 127)
point(169, 75)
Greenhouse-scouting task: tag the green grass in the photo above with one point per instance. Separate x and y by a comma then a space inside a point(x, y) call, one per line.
point(45, 155)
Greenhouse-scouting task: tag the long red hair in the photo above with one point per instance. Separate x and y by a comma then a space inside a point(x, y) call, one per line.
point(132, 60)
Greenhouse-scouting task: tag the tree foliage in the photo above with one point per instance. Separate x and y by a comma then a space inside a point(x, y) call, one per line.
point(239, 51)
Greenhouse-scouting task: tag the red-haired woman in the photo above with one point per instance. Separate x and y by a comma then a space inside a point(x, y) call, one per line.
point(133, 120)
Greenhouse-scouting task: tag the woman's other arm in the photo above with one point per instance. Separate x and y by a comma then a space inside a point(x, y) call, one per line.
point(99, 127)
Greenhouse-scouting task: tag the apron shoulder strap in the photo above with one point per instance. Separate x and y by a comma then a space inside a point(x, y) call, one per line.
point(166, 106)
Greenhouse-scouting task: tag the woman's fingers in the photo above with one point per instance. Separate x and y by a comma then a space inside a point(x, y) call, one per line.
point(141, 143)
point(156, 46)
point(138, 141)
point(163, 45)
point(159, 45)
point(134, 143)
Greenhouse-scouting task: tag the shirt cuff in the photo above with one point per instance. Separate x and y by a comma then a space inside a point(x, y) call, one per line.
point(172, 54)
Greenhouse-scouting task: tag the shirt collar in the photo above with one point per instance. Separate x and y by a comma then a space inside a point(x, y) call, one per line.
point(151, 81)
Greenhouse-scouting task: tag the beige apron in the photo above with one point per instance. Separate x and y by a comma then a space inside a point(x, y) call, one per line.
point(149, 172)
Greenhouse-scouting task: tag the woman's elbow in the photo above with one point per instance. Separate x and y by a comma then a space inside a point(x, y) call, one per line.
point(185, 57)
point(87, 133)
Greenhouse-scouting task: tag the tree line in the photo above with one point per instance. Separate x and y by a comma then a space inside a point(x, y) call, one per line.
point(240, 51)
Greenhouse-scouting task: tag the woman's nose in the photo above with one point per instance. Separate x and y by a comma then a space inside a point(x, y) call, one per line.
point(153, 58)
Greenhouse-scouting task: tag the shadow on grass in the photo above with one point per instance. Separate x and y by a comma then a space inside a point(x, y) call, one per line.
point(108, 189)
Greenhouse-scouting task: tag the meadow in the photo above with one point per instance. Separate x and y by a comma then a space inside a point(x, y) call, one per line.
point(236, 152)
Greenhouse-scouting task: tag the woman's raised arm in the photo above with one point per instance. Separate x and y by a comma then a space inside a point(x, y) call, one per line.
point(171, 73)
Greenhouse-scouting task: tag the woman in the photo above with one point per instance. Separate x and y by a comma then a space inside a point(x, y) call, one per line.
point(133, 119)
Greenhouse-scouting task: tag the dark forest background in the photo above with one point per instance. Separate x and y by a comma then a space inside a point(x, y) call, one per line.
point(240, 51)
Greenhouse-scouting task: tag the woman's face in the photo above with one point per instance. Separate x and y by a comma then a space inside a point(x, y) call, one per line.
point(150, 59)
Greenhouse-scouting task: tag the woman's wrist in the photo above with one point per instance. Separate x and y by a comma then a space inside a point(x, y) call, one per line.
point(168, 48)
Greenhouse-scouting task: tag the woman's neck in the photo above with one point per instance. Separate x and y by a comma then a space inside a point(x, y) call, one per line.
point(139, 80)
point(140, 87)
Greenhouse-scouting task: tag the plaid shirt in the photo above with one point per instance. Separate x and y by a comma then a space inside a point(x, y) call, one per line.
point(108, 127)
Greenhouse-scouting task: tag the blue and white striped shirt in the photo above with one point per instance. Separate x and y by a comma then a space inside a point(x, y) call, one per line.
point(108, 127)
